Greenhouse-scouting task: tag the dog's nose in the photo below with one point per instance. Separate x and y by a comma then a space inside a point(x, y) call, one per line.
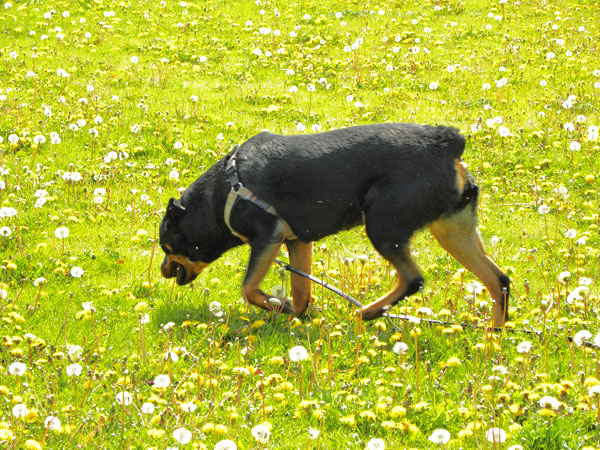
point(166, 269)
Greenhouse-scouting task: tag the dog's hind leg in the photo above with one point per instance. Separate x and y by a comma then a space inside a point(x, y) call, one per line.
point(300, 258)
point(410, 281)
point(458, 235)
point(262, 255)
point(391, 239)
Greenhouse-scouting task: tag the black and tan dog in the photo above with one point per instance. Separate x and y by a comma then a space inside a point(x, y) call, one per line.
point(394, 178)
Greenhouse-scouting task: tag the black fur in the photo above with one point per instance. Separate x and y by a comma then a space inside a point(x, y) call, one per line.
point(396, 178)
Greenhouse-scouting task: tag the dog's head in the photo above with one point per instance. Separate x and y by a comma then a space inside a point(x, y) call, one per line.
point(184, 256)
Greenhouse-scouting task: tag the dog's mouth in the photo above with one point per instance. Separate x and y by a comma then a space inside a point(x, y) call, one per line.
point(181, 269)
point(179, 272)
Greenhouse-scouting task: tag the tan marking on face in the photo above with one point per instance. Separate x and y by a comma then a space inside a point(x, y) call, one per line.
point(192, 268)
point(462, 175)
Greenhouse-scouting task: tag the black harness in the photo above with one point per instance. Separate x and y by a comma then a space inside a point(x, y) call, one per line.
point(239, 191)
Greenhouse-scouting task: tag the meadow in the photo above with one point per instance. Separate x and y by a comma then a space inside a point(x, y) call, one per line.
point(110, 108)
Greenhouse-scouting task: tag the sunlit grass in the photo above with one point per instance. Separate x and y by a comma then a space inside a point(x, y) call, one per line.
point(108, 110)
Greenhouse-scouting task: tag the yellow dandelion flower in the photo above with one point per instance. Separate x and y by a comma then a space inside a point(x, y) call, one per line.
point(415, 332)
point(514, 428)
point(410, 427)
point(6, 435)
point(208, 428)
point(453, 361)
point(348, 420)
point(515, 409)
point(30, 444)
point(545, 412)
point(220, 430)
point(279, 397)
point(141, 307)
point(4, 391)
point(155, 420)
point(462, 434)
point(318, 413)
point(257, 324)
point(369, 415)
point(380, 325)
point(588, 383)
point(398, 411)
point(156, 433)
point(276, 360)
point(388, 424)
point(421, 406)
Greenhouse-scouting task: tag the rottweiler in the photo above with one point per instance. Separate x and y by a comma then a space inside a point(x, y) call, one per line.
point(394, 178)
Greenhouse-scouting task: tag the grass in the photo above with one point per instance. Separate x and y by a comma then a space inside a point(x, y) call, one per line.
point(144, 96)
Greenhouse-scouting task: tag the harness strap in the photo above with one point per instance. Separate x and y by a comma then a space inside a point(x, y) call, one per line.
point(239, 191)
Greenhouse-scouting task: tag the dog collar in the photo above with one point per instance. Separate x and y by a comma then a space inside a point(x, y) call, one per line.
point(239, 191)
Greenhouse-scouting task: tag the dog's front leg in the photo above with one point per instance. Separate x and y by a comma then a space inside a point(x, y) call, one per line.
point(262, 256)
point(301, 259)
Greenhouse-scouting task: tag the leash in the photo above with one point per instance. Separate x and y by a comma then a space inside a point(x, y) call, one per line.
point(415, 319)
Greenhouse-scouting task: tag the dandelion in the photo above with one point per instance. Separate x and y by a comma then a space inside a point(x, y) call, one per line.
point(563, 277)
point(593, 392)
point(19, 410)
point(474, 287)
point(440, 436)
point(496, 435)
point(400, 348)
point(134, 60)
point(376, 444)
point(550, 402)
point(298, 353)
point(574, 146)
point(524, 347)
point(182, 435)
point(433, 85)
point(162, 381)
point(76, 272)
point(504, 131)
point(226, 444)
point(124, 398)
point(61, 232)
point(52, 423)
point(216, 309)
point(73, 370)
point(581, 337)
point(147, 408)
point(261, 433)
point(17, 369)
point(544, 209)
point(5, 231)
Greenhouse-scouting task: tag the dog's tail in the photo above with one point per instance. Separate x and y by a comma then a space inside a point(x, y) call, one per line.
point(451, 139)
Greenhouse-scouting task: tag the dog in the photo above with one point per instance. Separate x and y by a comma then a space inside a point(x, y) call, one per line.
point(272, 189)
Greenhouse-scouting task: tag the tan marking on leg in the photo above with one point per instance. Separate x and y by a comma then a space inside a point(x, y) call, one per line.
point(407, 272)
point(257, 270)
point(301, 259)
point(459, 236)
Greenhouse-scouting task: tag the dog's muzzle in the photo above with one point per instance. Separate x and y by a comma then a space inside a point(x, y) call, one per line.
point(184, 270)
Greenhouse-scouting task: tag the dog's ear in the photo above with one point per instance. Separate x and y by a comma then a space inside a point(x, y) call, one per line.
point(175, 209)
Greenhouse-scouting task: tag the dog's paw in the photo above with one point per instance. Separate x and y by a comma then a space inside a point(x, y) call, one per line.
point(369, 314)
point(282, 305)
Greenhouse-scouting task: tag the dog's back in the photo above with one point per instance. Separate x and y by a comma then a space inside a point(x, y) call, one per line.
point(325, 182)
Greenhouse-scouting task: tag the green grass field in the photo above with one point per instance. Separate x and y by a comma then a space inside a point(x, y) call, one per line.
point(108, 109)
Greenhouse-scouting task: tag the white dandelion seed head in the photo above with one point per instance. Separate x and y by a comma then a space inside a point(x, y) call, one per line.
point(261, 433)
point(162, 381)
point(440, 436)
point(182, 435)
point(298, 353)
